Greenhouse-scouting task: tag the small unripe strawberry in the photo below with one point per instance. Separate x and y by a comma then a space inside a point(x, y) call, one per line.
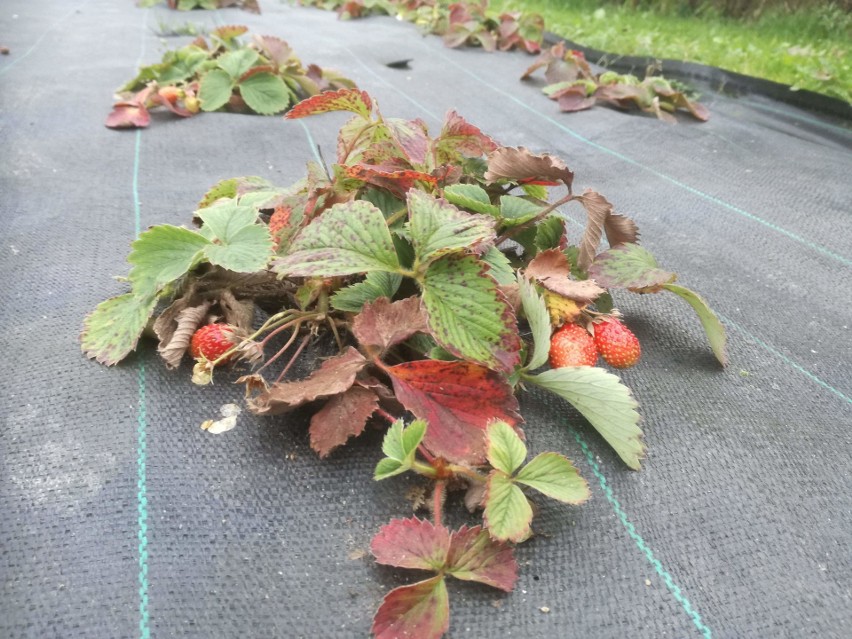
point(192, 104)
point(572, 345)
point(616, 343)
point(212, 341)
point(171, 94)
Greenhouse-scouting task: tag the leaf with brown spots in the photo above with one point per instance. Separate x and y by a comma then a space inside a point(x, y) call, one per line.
point(382, 323)
point(460, 139)
point(468, 314)
point(336, 375)
point(458, 400)
point(342, 417)
point(552, 270)
point(521, 165)
point(410, 136)
point(353, 100)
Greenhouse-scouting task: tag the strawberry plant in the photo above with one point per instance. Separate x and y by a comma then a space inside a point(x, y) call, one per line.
point(189, 5)
point(571, 82)
point(436, 268)
point(263, 76)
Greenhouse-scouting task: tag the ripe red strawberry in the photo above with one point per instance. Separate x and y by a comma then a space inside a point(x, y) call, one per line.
point(572, 345)
point(616, 343)
point(212, 341)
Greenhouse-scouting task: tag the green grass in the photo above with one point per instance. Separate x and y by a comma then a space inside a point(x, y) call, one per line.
point(808, 50)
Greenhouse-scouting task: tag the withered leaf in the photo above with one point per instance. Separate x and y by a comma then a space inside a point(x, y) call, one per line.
point(598, 209)
point(383, 323)
point(552, 270)
point(239, 313)
point(336, 375)
point(620, 229)
point(521, 165)
point(175, 328)
point(342, 417)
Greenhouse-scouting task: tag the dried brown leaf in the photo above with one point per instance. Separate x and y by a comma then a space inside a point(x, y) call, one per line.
point(521, 165)
point(552, 270)
point(598, 209)
point(620, 229)
point(342, 417)
point(383, 323)
point(336, 375)
point(175, 328)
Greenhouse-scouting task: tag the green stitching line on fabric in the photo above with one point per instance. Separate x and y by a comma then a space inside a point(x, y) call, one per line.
point(663, 176)
point(141, 441)
point(640, 543)
point(41, 37)
point(314, 147)
point(786, 359)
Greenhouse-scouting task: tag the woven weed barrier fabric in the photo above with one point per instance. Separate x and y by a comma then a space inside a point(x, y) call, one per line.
point(119, 517)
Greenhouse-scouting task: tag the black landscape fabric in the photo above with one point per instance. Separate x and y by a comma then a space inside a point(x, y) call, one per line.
point(120, 517)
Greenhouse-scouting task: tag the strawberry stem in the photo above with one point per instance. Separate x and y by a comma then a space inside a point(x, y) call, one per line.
point(294, 358)
point(438, 496)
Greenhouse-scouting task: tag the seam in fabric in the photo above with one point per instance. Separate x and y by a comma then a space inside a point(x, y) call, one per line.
point(710, 198)
point(673, 588)
point(141, 416)
point(35, 44)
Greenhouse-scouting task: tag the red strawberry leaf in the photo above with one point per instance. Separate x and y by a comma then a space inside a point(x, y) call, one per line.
point(460, 139)
point(411, 137)
point(128, 115)
point(458, 400)
point(383, 324)
point(420, 610)
point(396, 180)
point(474, 556)
point(342, 417)
point(336, 375)
point(552, 270)
point(412, 543)
point(521, 165)
point(353, 100)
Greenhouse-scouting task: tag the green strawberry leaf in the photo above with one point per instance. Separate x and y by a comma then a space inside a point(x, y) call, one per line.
point(629, 266)
point(215, 89)
point(238, 242)
point(420, 610)
point(377, 284)
point(265, 93)
point(348, 238)
point(505, 451)
point(112, 330)
point(538, 318)
point(555, 476)
point(225, 218)
point(500, 268)
point(468, 315)
point(603, 400)
point(161, 255)
point(399, 446)
point(549, 232)
point(474, 556)
point(472, 197)
point(516, 210)
point(236, 63)
point(712, 326)
point(508, 514)
point(438, 228)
